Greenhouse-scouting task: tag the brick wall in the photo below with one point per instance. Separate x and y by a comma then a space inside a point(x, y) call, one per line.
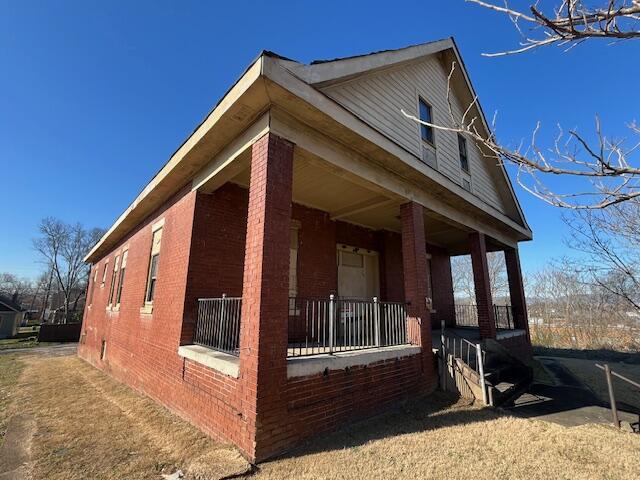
point(203, 254)
point(519, 346)
point(141, 349)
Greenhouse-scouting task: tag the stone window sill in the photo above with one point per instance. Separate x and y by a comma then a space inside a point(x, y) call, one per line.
point(312, 365)
point(146, 309)
point(222, 362)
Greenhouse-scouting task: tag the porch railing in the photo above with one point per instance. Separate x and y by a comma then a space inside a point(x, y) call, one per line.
point(318, 326)
point(504, 317)
point(218, 324)
point(467, 316)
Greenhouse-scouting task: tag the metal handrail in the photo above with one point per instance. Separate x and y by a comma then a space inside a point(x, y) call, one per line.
point(612, 398)
point(475, 356)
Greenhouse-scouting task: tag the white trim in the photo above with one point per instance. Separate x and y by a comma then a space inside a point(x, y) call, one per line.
point(312, 365)
point(158, 225)
point(341, 69)
point(222, 362)
point(501, 335)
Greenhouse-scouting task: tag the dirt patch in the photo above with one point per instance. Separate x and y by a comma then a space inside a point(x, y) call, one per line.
point(15, 453)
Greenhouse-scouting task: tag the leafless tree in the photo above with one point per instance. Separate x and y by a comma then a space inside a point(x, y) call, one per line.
point(463, 284)
point(14, 287)
point(63, 247)
point(610, 245)
point(570, 22)
point(609, 167)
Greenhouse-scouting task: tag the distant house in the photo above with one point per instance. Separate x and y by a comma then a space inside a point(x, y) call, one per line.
point(288, 267)
point(11, 316)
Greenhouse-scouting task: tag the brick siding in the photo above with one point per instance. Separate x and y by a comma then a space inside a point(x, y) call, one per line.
point(203, 255)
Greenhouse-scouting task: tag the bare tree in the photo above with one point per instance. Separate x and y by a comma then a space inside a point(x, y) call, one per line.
point(63, 247)
point(610, 244)
point(14, 287)
point(608, 167)
point(463, 284)
point(570, 22)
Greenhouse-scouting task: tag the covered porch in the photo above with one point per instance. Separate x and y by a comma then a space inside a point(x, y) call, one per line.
point(358, 267)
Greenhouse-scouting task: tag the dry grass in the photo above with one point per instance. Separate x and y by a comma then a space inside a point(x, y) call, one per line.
point(10, 368)
point(463, 442)
point(594, 378)
point(89, 426)
point(587, 336)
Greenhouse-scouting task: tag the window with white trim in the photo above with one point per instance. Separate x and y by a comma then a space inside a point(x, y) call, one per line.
point(462, 152)
point(153, 266)
point(114, 277)
point(123, 267)
point(426, 115)
point(104, 273)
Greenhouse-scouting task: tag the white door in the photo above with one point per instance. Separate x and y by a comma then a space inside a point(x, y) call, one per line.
point(357, 273)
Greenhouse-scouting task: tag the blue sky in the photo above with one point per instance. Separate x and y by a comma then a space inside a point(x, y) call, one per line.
point(95, 96)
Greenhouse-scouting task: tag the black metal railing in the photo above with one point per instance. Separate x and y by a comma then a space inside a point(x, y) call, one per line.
point(318, 326)
point(467, 316)
point(218, 324)
point(504, 317)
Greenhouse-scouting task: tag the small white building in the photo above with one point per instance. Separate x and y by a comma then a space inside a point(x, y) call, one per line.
point(11, 316)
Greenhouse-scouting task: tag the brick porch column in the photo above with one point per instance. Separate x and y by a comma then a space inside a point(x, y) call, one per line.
point(484, 301)
point(516, 288)
point(414, 260)
point(263, 336)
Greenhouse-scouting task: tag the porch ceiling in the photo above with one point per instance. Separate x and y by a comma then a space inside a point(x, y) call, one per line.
point(346, 197)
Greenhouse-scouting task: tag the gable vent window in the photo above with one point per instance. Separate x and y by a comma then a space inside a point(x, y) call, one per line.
point(462, 150)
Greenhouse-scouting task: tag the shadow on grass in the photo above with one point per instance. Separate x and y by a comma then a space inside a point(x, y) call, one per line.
point(419, 415)
point(602, 354)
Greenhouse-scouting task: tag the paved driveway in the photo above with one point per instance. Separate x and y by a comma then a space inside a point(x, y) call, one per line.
point(568, 402)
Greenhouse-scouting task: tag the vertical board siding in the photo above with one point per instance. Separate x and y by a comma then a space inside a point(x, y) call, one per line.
point(378, 99)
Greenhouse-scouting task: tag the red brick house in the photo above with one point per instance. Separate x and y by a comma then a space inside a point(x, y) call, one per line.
point(283, 271)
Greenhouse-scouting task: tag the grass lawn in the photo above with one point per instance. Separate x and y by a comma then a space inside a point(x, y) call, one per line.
point(89, 426)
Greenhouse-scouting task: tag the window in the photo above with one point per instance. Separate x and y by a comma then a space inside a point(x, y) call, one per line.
point(123, 266)
point(426, 132)
point(462, 151)
point(153, 265)
point(114, 276)
point(93, 280)
point(104, 272)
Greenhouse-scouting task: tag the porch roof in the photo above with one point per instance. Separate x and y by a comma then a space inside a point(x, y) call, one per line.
point(273, 81)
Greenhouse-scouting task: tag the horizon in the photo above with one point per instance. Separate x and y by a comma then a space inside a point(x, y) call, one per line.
point(102, 95)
